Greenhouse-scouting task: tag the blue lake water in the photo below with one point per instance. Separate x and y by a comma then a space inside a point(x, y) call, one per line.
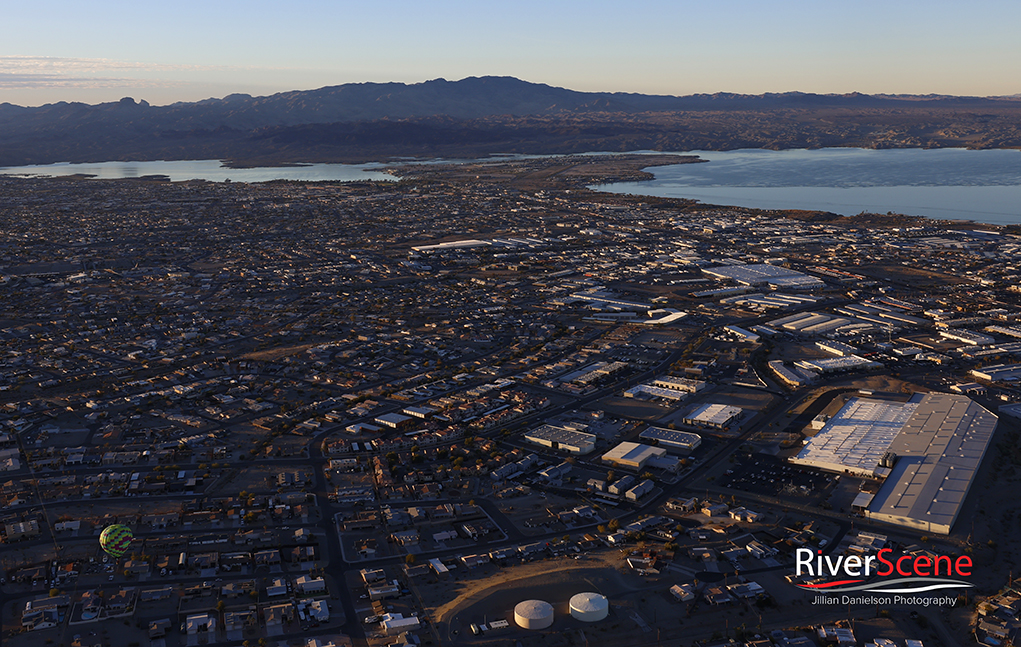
point(211, 170)
point(984, 186)
point(959, 184)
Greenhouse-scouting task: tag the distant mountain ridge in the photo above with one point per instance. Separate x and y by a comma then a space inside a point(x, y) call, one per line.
point(238, 124)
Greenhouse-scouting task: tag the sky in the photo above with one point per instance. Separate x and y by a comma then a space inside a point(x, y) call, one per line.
point(183, 50)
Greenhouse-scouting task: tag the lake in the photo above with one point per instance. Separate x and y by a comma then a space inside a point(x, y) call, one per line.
point(984, 186)
point(212, 170)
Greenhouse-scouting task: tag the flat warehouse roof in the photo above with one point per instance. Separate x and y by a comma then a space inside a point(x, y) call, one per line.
point(561, 435)
point(636, 453)
point(719, 414)
point(393, 417)
point(856, 438)
point(938, 452)
point(671, 436)
point(755, 273)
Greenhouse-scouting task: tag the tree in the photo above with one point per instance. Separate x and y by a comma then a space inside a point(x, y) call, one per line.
point(410, 559)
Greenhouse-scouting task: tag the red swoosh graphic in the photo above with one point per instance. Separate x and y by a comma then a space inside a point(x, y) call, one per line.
point(827, 585)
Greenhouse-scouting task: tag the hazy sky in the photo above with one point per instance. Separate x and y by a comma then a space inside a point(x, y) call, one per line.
point(183, 50)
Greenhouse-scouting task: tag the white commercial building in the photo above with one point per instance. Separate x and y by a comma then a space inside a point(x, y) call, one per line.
point(678, 383)
point(670, 439)
point(999, 373)
point(633, 455)
point(655, 392)
point(837, 364)
point(814, 323)
point(562, 438)
point(967, 336)
point(856, 438)
point(792, 377)
point(395, 623)
point(775, 276)
point(713, 415)
point(837, 348)
point(928, 450)
point(743, 334)
point(938, 454)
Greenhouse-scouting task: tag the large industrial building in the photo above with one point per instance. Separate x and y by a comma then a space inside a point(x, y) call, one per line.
point(928, 450)
point(678, 383)
point(669, 439)
point(837, 364)
point(637, 456)
point(395, 420)
point(633, 455)
point(855, 440)
point(999, 373)
point(713, 415)
point(562, 438)
point(774, 276)
point(938, 454)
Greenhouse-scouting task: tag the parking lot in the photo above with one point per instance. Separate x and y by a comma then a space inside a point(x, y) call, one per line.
point(770, 476)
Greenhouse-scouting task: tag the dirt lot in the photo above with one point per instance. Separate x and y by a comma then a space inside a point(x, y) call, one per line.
point(455, 604)
point(642, 611)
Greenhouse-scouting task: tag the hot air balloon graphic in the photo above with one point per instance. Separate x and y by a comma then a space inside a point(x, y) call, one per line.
point(116, 539)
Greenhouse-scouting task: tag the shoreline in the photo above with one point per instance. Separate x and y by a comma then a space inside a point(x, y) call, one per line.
point(587, 173)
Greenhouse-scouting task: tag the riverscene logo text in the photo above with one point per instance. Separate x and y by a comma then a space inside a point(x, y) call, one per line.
point(902, 575)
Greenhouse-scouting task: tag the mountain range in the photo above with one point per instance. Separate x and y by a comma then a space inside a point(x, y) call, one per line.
point(481, 115)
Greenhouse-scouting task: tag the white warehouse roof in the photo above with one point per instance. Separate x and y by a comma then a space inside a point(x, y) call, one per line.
point(857, 437)
point(713, 414)
point(756, 274)
point(633, 455)
point(939, 451)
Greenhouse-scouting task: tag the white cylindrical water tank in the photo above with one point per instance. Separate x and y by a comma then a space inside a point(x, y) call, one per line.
point(533, 614)
point(589, 607)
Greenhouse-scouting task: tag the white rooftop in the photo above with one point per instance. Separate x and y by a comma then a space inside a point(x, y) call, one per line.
point(752, 274)
point(714, 414)
point(561, 435)
point(857, 437)
point(938, 452)
point(636, 453)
